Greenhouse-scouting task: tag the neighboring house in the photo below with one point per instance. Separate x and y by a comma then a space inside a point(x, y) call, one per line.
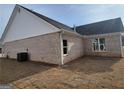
point(49, 41)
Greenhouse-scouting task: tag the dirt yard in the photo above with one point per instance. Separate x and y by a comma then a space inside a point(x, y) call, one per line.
point(87, 72)
point(11, 70)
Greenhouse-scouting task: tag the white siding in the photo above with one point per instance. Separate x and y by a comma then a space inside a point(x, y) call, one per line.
point(25, 25)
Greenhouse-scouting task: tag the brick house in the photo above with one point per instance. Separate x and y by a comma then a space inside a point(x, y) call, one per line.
point(47, 40)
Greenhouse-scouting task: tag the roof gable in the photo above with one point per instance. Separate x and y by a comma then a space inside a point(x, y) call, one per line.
point(49, 20)
point(107, 26)
point(25, 25)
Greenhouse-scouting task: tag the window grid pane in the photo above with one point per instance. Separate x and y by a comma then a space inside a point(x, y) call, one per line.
point(102, 40)
point(64, 50)
point(65, 47)
point(99, 44)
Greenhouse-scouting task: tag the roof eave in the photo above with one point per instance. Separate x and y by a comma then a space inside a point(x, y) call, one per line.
point(70, 32)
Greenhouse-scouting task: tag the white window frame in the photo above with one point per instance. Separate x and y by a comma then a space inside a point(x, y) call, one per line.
point(99, 44)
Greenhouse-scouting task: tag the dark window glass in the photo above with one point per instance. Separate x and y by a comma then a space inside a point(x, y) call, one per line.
point(65, 47)
point(102, 48)
point(64, 50)
point(102, 40)
point(0, 50)
point(64, 42)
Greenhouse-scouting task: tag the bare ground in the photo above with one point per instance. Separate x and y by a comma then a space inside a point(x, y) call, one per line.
point(86, 72)
point(11, 70)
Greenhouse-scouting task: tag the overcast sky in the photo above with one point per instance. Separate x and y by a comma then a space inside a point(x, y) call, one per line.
point(68, 14)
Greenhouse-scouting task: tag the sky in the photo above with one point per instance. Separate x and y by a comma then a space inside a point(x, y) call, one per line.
point(69, 14)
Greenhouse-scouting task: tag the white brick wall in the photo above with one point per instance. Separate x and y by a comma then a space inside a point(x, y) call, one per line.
point(75, 47)
point(45, 48)
point(113, 46)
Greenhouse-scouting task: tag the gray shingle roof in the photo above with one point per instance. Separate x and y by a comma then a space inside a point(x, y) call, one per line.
point(107, 26)
point(51, 21)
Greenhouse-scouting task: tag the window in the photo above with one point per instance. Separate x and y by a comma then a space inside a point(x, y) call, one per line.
point(0, 50)
point(99, 44)
point(65, 47)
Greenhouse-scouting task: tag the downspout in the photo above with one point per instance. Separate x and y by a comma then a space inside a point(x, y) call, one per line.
point(74, 28)
point(61, 47)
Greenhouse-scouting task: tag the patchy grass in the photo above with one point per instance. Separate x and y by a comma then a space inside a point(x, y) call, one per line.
point(86, 72)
